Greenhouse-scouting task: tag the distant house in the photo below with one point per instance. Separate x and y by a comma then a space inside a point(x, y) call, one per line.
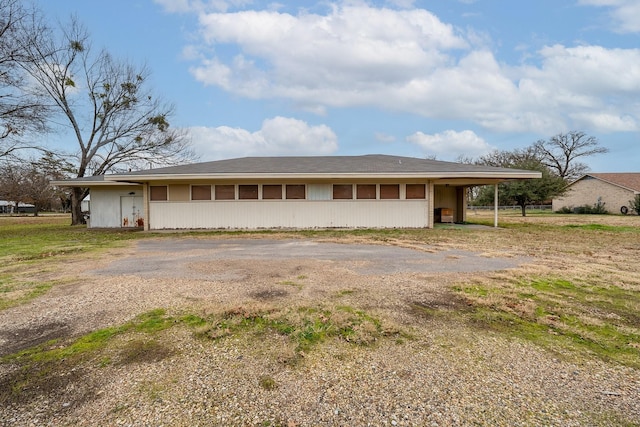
point(372, 191)
point(10, 207)
point(85, 205)
point(615, 190)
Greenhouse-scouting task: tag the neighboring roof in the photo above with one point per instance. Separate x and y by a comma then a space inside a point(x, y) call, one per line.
point(376, 165)
point(20, 204)
point(629, 181)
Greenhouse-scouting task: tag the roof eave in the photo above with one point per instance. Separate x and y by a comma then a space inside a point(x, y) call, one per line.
point(90, 183)
point(353, 175)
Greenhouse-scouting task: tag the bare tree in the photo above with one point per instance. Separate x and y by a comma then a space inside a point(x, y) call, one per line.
point(117, 122)
point(22, 109)
point(560, 152)
point(28, 181)
point(12, 183)
point(506, 159)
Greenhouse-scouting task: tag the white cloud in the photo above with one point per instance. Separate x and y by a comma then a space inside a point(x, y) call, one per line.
point(353, 49)
point(278, 136)
point(592, 70)
point(411, 61)
point(625, 13)
point(605, 122)
point(451, 144)
point(586, 86)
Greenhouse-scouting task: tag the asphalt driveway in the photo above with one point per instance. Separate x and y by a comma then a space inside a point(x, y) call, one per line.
point(153, 256)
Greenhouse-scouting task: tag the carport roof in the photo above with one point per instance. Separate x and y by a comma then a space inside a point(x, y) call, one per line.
point(366, 166)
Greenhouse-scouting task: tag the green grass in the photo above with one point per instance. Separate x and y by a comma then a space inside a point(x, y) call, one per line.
point(562, 315)
point(291, 283)
point(30, 245)
point(54, 351)
point(603, 227)
point(52, 237)
point(139, 341)
point(15, 292)
point(39, 366)
point(267, 382)
point(305, 327)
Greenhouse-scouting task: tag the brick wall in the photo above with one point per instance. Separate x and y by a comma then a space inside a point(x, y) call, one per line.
point(588, 190)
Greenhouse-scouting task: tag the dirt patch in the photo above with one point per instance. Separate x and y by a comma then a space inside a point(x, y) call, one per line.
point(268, 294)
point(143, 351)
point(13, 340)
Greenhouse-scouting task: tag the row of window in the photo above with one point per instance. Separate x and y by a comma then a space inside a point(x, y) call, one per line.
point(292, 192)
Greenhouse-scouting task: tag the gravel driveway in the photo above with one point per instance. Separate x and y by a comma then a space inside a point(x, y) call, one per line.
point(445, 373)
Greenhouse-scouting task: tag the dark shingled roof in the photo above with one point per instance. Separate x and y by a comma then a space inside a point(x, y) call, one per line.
point(373, 163)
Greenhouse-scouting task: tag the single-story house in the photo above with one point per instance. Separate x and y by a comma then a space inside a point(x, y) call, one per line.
point(370, 191)
point(615, 190)
point(10, 207)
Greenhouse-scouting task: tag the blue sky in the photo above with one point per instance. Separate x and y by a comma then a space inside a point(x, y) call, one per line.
point(439, 78)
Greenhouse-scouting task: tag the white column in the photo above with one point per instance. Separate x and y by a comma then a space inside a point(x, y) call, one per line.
point(146, 204)
point(495, 206)
point(430, 204)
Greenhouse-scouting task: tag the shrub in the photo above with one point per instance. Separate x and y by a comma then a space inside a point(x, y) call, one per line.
point(565, 210)
point(634, 204)
point(597, 209)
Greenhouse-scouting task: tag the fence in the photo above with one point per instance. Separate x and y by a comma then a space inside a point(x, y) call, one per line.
point(511, 207)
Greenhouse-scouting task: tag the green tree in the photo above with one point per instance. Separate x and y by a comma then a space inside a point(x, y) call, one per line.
point(521, 192)
point(117, 121)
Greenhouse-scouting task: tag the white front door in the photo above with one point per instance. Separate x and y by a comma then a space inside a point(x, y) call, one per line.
point(131, 212)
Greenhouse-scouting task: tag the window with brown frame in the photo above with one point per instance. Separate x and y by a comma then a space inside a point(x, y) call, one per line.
point(271, 192)
point(389, 191)
point(296, 191)
point(248, 192)
point(200, 192)
point(342, 191)
point(365, 191)
point(225, 192)
point(415, 191)
point(157, 192)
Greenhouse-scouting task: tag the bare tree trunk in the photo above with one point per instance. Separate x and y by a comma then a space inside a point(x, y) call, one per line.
point(76, 206)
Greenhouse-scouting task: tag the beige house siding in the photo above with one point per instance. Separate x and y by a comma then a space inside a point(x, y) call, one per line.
point(317, 210)
point(447, 197)
point(588, 190)
point(110, 205)
point(178, 193)
point(257, 214)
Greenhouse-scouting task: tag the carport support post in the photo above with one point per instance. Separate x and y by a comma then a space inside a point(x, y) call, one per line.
point(495, 206)
point(145, 200)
